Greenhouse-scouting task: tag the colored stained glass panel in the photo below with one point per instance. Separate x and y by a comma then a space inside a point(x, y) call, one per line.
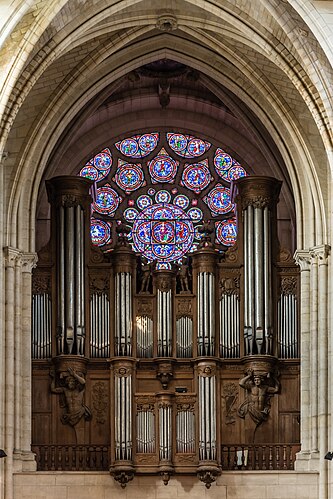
point(196, 177)
point(187, 146)
point(144, 201)
point(226, 232)
point(222, 162)
point(163, 232)
point(100, 232)
point(236, 172)
point(163, 197)
point(130, 214)
point(103, 160)
point(90, 172)
point(138, 146)
point(162, 168)
point(129, 177)
point(181, 201)
point(107, 201)
point(218, 200)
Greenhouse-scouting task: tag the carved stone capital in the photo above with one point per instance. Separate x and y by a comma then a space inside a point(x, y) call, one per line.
point(321, 253)
point(12, 255)
point(303, 259)
point(29, 262)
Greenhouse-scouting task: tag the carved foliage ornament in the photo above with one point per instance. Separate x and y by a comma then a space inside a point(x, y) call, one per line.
point(145, 307)
point(288, 285)
point(184, 308)
point(100, 401)
point(229, 286)
point(100, 285)
point(230, 396)
point(41, 284)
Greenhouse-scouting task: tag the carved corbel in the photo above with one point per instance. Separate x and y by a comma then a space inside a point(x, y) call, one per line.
point(164, 374)
point(208, 475)
point(123, 477)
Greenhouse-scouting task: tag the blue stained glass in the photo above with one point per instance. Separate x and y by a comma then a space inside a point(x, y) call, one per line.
point(129, 177)
point(195, 214)
point(187, 146)
point(107, 200)
point(139, 145)
point(130, 214)
point(103, 160)
point(196, 177)
point(144, 201)
point(181, 201)
point(163, 232)
point(162, 168)
point(163, 197)
point(89, 171)
point(148, 142)
point(100, 232)
point(222, 162)
point(226, 232)
point(236, 172)
point(218, 200)
point(177, 142)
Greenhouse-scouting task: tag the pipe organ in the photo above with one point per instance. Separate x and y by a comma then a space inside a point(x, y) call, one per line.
point(160, 370)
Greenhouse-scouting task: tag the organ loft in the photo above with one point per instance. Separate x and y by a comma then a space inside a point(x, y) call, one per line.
point(165, 334)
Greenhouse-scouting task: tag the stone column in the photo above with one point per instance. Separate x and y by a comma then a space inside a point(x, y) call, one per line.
point(303, 259)
point(11, 256)
point(322, 254)
point(29, 261)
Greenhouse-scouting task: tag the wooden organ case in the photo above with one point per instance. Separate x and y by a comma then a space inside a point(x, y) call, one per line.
point(192, 370)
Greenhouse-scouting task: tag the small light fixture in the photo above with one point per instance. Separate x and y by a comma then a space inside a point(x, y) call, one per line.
point(329, 456)
point(2, 453)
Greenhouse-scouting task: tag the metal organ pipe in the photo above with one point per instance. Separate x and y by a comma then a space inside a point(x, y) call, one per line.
point(70, 200)
point(206, 313)
point(164, 323)
point(123, 313)
point(207, 412)
point(257, 198)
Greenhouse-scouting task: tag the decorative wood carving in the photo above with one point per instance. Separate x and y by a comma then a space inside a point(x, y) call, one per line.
point(230, 397)
point(100, 401)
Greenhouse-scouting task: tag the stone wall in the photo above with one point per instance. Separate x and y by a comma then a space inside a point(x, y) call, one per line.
point(230, 485)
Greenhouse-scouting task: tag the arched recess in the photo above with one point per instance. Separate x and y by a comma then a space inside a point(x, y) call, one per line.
point(64, 107)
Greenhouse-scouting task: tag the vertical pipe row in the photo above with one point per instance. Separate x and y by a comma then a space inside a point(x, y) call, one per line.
point(207, 415)
point(144, 336)
point(257, 281)
point(206, 313)
point(99, 325)
point(184, 337)
point(185, 437)
point(123, 412)
point(145, 432)
point(41, 326)
point(123, 314)
point(229, 326)
point(165, 425)
point(164, 323)
point(287, 326)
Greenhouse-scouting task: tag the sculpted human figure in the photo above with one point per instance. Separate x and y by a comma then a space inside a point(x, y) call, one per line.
point(73, 393)
point(183, 274)
point(259, 392)
point(146, 275)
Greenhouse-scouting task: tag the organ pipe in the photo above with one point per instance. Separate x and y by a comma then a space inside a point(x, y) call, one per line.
point(256, 203)
point(70, 201)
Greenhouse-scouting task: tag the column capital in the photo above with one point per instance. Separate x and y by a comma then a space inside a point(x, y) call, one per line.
point(29, 261)
point(303, 259)
point(11, 256)
point(321, 252)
